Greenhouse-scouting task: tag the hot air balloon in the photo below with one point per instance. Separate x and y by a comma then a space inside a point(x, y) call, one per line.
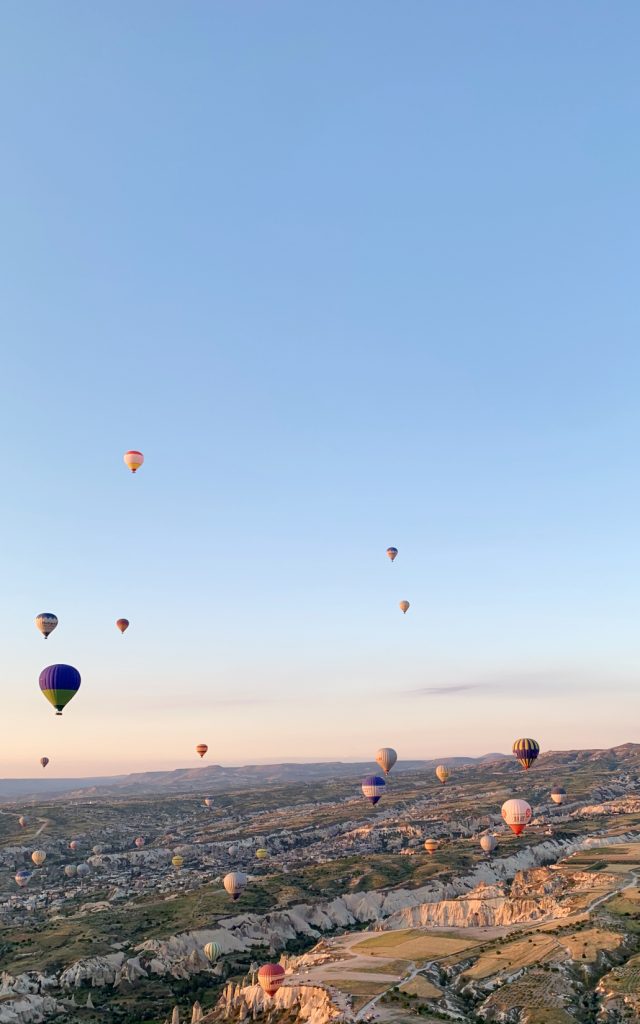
point(442, 773)
point(212, 951)
point(46, 623)
point(177, 861)
point(22, 877)
point(262, 854)
point(373, 788)
point(235, 883)
point(74, 844)
point(558, 794)
point(517, 815)
point(98, 849)
point(431, 845)
point(208, 801)
point(201, 749)
point(44, 761)
point(83, 870)
point(70, 870)
point(404, 607)
point(133, 460)
point(38, 857)
point(139, 842)
point(22, 821)
point(270, 977)
point(122, 624)
point(59, 683)
point(526, 750)
point(386, 758)
point(488, 843)
point(392, 553)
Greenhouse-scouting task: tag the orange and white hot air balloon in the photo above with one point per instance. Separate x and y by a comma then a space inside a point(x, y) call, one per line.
point(270, 977)
point(404, 607)
point(392, 554)
point(133, 460)
point(38, 857)
point(442, 773)
point(431, 845)
point(235, 883)
point(122, 624)
point(517, 814)
point(201, 749)
point(386, 758)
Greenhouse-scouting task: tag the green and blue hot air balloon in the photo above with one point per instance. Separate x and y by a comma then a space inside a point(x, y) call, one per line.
point(59, 683)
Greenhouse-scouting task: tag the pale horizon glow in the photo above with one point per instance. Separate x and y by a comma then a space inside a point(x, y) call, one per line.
point(349, 276)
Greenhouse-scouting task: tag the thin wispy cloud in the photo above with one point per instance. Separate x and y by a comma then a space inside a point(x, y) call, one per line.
point(519, 684)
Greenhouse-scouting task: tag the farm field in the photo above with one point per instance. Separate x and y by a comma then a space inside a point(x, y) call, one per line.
point(413, 944)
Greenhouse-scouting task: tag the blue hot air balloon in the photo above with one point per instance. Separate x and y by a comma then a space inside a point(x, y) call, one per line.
point(59, 683)
point(373, 788)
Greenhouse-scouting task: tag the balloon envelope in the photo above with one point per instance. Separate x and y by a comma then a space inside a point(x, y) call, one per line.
point(122, 624)
point(212, 951)
point(59, 683)
point(431, 845)
point(22, 877)
point(404, 607)
point(208, 801)
point(133, 460)
point(517, 814)
point(262, 854)
point(44, 761)
point(201, 749)
point(392, 553)
point(177, 861)
point(235, 883)
point(83, 870)
point(139, 842)
point(270, 977)
point(373, 788)
point(442, 773)
point(386, 758)
point(38, 857)
point(526, 750)
point(558, 794)
point(74, 844)
point(488, 843)
point(22, 821)
point(46, 623)
point(70, 870)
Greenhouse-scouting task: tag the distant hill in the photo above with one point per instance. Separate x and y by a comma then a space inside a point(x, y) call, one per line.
point(211, 778)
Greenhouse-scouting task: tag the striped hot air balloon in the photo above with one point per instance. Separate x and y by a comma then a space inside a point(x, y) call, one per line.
point(38, 857)
point(212, 951)
point(122, 624)
point(488, 843)
point(133, 460)
point(431, 845)
point(386, 758)
point(526, 750)
point(70, 870)
point(262, 854)
point(201, 749)
point(392, 553)
point(517, 814)
point(235, 883)
point(177, 861)
point(270, 977)
point(59, 683)
point(46, 623)
point(558, 794)
point(373, 788)
point(443, 773)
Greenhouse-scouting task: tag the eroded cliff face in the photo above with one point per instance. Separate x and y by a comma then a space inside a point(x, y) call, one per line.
point(459, 903)
point(312, 1003)
point(26, 999)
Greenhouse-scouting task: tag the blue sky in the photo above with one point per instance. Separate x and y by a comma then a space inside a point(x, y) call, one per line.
point(350, 275)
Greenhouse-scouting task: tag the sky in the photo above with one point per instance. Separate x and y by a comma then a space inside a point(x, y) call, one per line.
point(350, 276)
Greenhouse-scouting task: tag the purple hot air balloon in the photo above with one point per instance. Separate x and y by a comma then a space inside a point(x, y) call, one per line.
point(373, 788)
point(59, 683)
